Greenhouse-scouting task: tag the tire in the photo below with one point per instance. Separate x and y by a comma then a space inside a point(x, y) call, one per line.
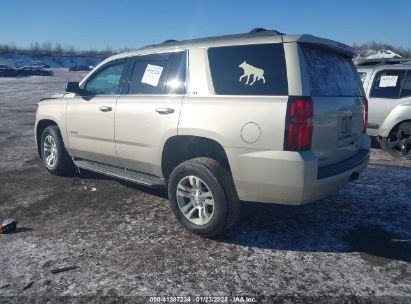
point(214, 183)
point(398, 143)
point(52, 144)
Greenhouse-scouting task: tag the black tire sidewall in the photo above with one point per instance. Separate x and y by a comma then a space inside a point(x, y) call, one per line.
point(218, 221)
point(55, 133)
point(405, 126)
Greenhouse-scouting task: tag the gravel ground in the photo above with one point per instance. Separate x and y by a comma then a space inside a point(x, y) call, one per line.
point(124, 241)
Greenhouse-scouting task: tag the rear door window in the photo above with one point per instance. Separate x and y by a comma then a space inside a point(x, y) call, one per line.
point(257, 69)
point(387, 84)
point(330, 73)
point(176, 79)
point(158, 74)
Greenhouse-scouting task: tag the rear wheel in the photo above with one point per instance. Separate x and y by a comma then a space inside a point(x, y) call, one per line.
point(53, 152)
point(203, 197)
point(398, 143)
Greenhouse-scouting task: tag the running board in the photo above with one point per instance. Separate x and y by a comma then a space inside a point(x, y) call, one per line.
point(121, 173)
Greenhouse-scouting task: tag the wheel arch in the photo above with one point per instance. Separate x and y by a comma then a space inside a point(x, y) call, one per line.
point(398, 115)
point(180, 148)
point(41, 125)
point(396, 125)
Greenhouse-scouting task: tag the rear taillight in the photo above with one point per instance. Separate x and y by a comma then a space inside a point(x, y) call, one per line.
point(299, 125)
point(365, 114)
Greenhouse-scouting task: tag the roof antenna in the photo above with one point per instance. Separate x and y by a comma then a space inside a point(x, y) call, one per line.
point(261, 29)
point(257, 30)
point(169, 40)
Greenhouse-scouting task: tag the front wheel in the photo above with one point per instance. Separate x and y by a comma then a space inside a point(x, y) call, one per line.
point(53, 152)
point(398, 143)
point(203, 196)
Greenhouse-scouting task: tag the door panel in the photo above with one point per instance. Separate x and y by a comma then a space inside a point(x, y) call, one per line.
point(90, 128)
point(142, 126)
point(146, 118)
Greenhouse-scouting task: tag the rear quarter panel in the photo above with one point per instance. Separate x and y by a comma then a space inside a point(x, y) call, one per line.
point(223, 118)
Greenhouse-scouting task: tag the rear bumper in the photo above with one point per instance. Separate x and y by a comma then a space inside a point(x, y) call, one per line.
point(335, 169)
point(289, 177)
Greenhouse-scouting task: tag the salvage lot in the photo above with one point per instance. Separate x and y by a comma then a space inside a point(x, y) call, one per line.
point(125, 241)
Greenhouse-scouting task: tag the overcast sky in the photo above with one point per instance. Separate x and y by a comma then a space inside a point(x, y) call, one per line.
point(96, 24)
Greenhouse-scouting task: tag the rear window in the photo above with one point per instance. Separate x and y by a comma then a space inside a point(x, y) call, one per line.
point(330, 73)
point(257, 69)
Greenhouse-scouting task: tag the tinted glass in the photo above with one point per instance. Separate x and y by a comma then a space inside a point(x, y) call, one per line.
point(106, 81)
point(330, 73)
point(406, 87)
point(159, 74)
point(149, 77)
point(387, 84)
point(257, 69)
point(176, 80)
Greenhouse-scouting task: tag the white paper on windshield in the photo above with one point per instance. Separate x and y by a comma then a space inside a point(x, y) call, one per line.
point(388, 81)
point(152, 75)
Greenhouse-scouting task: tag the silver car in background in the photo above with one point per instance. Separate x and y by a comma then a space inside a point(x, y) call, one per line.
point(388, 89)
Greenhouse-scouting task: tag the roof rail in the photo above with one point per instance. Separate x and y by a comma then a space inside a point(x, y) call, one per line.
point(382, 61)
point(254, 32)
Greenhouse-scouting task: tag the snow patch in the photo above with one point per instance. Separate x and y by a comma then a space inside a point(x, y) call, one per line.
point(372, 54)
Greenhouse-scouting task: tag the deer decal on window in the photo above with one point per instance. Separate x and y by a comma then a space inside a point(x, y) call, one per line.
point(249, 70)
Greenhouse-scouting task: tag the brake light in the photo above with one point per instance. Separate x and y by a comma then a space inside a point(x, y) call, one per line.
point(299, 125)
point(365, 114)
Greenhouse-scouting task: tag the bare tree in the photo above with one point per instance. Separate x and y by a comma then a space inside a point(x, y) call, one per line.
point(35, 48)
point(58, 49)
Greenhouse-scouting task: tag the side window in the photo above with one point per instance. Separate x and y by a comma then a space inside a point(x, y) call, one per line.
point(257, 69)
point(406, 87)
point(387, 84)
point(159, 74)
point(106, 81)
point(149, 76)
point(176, 80)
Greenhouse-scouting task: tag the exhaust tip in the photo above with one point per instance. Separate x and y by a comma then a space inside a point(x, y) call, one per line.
point(354, 176)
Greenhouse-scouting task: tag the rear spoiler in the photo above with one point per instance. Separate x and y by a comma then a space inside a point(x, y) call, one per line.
point(331, 44)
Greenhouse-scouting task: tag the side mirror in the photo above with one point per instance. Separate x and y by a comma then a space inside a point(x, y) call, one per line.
point(73, 87)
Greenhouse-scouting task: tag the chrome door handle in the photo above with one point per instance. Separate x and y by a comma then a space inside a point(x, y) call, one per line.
point(164, 110)
point(105, 108)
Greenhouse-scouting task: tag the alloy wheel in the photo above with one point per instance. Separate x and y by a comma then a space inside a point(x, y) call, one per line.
point(195, 200)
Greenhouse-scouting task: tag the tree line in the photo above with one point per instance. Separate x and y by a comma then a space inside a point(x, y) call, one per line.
point(48, 49)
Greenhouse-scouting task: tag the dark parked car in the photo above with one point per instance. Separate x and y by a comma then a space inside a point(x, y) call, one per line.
point(30, 70)
point(79, 68)
point(6, 71)
point(40, 64)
